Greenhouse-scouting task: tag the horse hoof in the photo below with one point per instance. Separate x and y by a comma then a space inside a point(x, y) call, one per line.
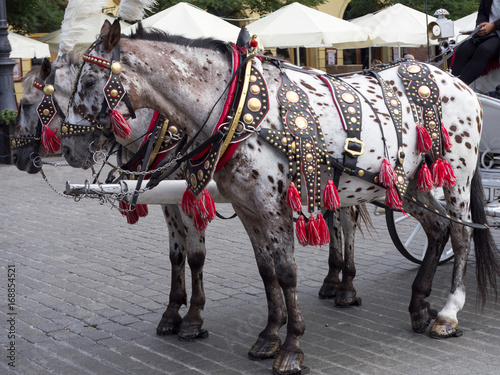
point(347, 299)
point(421, 319)
point(443, 329)
point(289, 363)
point(167, 327)
point(328, 290)
point(264, 348)
point(189, 333)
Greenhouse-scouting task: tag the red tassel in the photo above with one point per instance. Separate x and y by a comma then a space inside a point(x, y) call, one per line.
point(331, 200)
point(312, 231)
point(142, 210)
point(293, 198)
point(300, 227)
point(449, 176)
point(50, 141)
point(119, 125)
point(187, 203)
point(131, 215)
point(446, 138)
point(199, 218)
point(424, 141)
point(388, 175)
point(324, 233)
point(208, 204)
point(392, 199)
point(425, 182)
point(438, 172)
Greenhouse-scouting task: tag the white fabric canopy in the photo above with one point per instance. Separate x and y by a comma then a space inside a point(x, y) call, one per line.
point(26, 48)
point(396, 26)
point(296, 25)
point(86, 38)
point(191, 22)
point(467, 23)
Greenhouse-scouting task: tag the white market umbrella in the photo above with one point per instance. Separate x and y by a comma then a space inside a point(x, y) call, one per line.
point(26, 48)
point(396, 26)
point(296, 25)
point(191, 22)
point(86, 38)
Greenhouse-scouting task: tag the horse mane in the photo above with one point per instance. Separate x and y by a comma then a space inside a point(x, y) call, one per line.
point(29, 78)
point(157, 35)
point(73, 59)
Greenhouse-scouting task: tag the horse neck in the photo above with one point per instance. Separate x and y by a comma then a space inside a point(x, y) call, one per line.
point(184, 83)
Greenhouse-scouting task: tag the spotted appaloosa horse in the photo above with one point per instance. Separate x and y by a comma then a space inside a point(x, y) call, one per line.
point(185, 240)
point(184, 78)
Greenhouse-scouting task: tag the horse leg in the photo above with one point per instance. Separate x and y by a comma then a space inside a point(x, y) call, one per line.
point(273, 241)
point(171, 319)
point(191, 323)
point(437, 231)
point(346, 293)
point(335, 260)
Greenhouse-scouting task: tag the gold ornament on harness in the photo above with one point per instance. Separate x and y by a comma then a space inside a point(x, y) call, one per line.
point(116, 67)
point(48, 90)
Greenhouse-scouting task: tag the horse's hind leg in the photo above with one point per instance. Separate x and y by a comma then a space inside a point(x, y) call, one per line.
point(437, 231)
point(335, 260)
point(171, 319)
point(346, 293)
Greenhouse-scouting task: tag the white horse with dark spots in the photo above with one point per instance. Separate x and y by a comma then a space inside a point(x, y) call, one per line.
point(370, 135)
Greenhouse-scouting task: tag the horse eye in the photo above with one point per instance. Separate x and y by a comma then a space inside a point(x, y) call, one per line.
point(88, 84)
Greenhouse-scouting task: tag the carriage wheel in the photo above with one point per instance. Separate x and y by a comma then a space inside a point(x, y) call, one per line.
point(409, 237)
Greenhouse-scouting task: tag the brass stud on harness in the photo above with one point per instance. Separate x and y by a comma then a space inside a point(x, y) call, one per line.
point(116, 67)
point(48, 89)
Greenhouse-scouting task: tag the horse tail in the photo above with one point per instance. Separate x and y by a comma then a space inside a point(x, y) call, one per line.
point(486, 251)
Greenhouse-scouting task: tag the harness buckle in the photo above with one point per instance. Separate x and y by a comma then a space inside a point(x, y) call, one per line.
point(358, 146)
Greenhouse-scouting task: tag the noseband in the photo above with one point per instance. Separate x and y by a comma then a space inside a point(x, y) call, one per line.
point(114, 93)
point(46, 110)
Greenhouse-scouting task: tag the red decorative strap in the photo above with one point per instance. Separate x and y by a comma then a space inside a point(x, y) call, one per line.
point(96, 60)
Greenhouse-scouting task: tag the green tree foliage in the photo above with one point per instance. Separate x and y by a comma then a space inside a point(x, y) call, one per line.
point(237, 8)
point(456, 8)
point(32, 16)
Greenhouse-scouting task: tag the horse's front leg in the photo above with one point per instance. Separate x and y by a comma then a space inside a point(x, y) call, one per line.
point(171, 319)
point(436, 229)
point(273, 242)
point(346, 293)
point(335, 259)
point(191, 323)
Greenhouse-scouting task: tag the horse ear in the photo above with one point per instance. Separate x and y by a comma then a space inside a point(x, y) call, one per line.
point(112, 37)
point(105, 28)
point(45, 69)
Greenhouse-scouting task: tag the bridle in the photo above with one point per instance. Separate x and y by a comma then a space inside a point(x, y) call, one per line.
point(114, 93)
point(46, 111)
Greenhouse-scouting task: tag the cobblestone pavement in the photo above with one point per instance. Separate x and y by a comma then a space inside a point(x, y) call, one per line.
point(90, 290)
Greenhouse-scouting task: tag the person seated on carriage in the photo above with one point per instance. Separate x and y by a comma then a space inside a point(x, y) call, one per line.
point(473, 56)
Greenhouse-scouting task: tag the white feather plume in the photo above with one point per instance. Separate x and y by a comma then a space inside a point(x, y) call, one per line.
point(76, 21)
point(134, 10)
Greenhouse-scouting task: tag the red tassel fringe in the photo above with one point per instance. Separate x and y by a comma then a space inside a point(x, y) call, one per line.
point(300, 228)
point(142, 210)
point(324, 233)
point(208, 203)
point(119, 125)
point(387, 174)
point(187, 203)
point(293, 199)
point(449, 176)
point(446, 138)
point(331, 200)
point(131, 215)
point(312, 230)
point(438, 172)
point(199, 217)
point(392, 199)
point(425, 181)
point(424, 141)
point(50, 142)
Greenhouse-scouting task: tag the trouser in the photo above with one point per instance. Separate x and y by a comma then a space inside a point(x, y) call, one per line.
point(473, 56)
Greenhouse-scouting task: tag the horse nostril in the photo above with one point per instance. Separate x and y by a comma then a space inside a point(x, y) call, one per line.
point(65, 151)
point(15, 158)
